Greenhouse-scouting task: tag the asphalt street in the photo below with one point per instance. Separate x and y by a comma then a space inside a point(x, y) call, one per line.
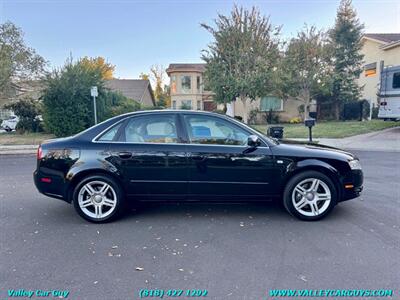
point(233, 251)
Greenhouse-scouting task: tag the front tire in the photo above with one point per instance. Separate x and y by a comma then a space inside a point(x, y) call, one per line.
point(98, 199)
point(310, 196)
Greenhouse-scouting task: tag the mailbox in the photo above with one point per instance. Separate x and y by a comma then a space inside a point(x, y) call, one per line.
point(309, 122)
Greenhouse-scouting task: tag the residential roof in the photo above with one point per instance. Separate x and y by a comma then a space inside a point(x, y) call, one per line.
point(384, 37)
point(131, 88)
point(186, 68)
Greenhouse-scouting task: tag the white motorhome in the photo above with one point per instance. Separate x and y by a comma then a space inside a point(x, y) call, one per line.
point(389, 93)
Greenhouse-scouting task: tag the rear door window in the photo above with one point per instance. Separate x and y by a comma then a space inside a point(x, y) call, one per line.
point(151, 129)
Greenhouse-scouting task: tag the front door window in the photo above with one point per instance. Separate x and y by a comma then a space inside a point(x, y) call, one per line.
point(212, 130)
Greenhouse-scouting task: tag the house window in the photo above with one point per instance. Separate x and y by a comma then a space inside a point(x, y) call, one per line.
point(173, 84)
point(370, 70)
point(271, 103)
point(174, 104)
point(186, 84)
point(396, 80)
point(186, 104)
point(198, 84)
point(198, 105)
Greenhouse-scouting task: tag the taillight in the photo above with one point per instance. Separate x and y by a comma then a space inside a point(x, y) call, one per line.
point(39, 153)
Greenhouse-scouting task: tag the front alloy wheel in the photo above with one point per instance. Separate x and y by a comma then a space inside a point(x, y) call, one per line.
point(310, 195)
point(98, 198)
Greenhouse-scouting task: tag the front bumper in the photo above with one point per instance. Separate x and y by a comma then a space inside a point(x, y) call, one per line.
point(352, 185)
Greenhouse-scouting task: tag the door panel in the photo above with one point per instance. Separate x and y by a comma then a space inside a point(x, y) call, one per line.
point(153, 170)
point(220, 162)
point(148, 152)
point(226, 171)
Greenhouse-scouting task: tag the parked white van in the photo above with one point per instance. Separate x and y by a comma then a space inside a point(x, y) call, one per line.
point(389, 94)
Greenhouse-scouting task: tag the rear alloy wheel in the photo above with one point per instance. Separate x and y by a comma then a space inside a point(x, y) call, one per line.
point(310, 196)
point(98, 198)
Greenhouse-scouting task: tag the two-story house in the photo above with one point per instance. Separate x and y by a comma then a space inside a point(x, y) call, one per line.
point(377, 47)
point(187, 88)
point(187, 91)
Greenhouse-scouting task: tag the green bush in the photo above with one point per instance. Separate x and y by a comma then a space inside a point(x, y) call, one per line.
point(68, 105)
point(117, 104)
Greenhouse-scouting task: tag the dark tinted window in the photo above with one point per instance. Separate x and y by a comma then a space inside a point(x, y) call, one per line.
point(211, 130)
point(151, 129)
point(396, 80)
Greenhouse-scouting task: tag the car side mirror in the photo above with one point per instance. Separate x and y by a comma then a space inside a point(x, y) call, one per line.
point(253, 141)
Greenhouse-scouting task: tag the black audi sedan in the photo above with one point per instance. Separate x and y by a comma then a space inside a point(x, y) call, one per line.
point(181, 155)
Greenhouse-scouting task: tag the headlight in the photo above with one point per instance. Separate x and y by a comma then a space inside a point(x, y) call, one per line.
point(355, 164)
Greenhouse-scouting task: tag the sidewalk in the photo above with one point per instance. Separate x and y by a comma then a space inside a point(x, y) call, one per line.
point(18, 149)
point(387, 140)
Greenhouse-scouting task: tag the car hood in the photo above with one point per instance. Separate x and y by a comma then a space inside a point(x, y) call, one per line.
point(307, 149)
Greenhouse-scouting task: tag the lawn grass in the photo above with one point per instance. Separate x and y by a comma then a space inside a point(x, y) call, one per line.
point(14, 138)
point(332, 129)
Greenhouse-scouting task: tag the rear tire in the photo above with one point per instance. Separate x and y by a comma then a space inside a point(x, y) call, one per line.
point(310, 196)
point(98, 198)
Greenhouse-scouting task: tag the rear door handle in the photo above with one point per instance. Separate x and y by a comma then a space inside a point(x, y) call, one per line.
point(125, 154)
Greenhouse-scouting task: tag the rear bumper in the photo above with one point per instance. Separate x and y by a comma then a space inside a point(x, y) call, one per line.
point(352, 185)
point(51, 185)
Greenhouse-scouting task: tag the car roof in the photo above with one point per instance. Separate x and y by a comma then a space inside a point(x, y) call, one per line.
point(186, 111)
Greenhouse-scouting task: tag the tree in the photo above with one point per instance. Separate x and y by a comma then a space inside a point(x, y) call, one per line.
point(346, 45)
point(18, 62)
point(305, 69)
point(68, 106)
point(241, 59)
point(99, 63)
point(118, 104)
point(144, 76)
point(161, 91)
point(157, 72)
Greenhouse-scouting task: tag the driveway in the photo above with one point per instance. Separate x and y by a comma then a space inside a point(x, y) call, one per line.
point(233, 251)
point(385, 140)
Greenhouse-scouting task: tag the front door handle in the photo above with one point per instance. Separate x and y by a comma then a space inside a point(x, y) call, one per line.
point(125, 154)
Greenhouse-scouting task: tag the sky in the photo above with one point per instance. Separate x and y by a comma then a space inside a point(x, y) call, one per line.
point(134, 35)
